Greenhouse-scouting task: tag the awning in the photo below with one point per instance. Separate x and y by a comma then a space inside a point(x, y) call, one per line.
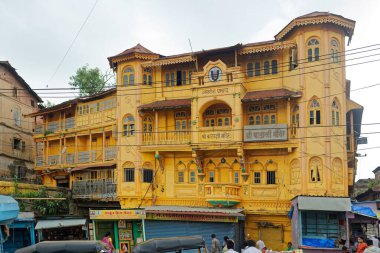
point(338, 204)
point(95, 166)
point(364, 211)
point(60, 223)
point(253, 96)
point(167, 104)
point(8, 209)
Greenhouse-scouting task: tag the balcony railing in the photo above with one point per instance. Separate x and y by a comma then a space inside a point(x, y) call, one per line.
point(83, 157)
point(94, 189)
point(53, 160)
point(40, 161)
point(53, 126)
point(110, 153)
point(167, 137)
point(70, 158)
point(222, 194)
point(69, 123)
point(39, 129)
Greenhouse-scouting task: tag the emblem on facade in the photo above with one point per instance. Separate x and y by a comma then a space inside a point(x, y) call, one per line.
point(215, 74)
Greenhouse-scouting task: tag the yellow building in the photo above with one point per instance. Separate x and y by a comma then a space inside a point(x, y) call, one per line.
point(244, 128)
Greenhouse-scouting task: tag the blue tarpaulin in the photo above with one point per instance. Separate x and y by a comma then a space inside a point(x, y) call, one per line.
point(363, 210)
point(8, 209)
point(318, 242)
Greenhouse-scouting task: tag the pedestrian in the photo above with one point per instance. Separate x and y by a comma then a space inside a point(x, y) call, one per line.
point(289, 247)
point(251, 247)
point(224, 244)
point(260, 244)
point(361, 246)
point(345, 250)
point(215, 244)
point(107, 240)
point(230, 247)
point(371, 248)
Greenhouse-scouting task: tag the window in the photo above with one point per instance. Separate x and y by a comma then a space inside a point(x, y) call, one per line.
point(315, 113)
point(184, 77)
point(251, 120)
point(257, 68)
point(211, 177)
point(315, 167)
point(257, 177)
point(182, 120)
point(15, 92)
point(236, 177)
point(271, 177)
point(192, 176)
point(172, 79)
point(262, 114)
point(32, 103)
point(250, 69)
point(167, 79)
point(219, 113)
point(313, 50)
point(128, 76)
point(145, 79)
point(274, 67)
point(320, 224)
point(295, 119)
point(17, 144)
point(17, 116)
point(147, 175)
point(293, 61)
point(335, 118)
point(266, 68)
point(190, 76)
point(147, 76)
point(147, 124)
point(129, 126)
point(129, 174)
point(181, 178)
point(334, 51)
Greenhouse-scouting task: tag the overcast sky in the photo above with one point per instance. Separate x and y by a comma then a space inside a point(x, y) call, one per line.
point(35, 35)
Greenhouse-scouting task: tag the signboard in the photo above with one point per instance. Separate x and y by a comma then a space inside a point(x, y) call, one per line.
point(215, 91)
point(117, 214)
point(191, 217)
point(278, 132)
point(210, 136)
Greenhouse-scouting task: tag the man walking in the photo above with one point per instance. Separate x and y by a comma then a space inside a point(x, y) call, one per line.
point(371, 248)
point(215, 244)
point(251, 247)
point(230, 247)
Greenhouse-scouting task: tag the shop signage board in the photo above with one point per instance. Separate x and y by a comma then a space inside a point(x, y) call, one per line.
point(190, 217)
point(117, 214)
point(257, 133)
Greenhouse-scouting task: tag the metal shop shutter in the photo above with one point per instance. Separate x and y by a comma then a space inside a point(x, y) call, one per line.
point(160, 229)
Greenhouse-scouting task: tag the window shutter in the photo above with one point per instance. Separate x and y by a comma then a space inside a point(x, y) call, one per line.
point(23, 146)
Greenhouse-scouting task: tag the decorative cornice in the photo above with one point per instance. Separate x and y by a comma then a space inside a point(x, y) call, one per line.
point(266, 48)
point(345, 23)
point(169, 61)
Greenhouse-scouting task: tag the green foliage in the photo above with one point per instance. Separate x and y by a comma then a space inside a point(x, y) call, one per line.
point(48, 104)
point(373, 183)
point(90, 81)
point(42, 207)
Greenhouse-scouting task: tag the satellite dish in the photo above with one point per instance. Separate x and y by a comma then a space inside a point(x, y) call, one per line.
point(64, 150)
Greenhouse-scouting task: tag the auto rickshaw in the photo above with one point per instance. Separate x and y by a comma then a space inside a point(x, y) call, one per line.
point(172, 244)
point(65, 247)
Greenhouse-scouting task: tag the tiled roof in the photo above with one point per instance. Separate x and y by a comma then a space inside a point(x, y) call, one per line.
point(136, 49)
point(9, 67)
point(270, 94)
point(167, 104)
point(200, 210)
point(97, 166)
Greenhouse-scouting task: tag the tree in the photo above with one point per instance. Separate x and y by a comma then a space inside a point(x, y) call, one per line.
point(90, 81)
point(48, 104)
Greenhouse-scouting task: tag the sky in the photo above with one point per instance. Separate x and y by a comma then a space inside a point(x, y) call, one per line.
point(36, 35)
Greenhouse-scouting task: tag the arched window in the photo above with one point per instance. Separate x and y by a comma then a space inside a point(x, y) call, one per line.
point(337, 171)
point(16, 111)
point(147, 124)
point(334, 49)
point(147, 77)
point(250, 69)
point(315, 113)
point(335, 115)
point(211, 176)
point(257, 69)
point(180, 173)
point(266, 68)
point(182, 120)
point(274, 67)
point(295, 172)
point(128, 76)
point(192, 172)
point(217, 115)
point(251, 120)
point(262, 114)
point(257, 172)
point(148, 175)
point(129, 125)
point(271, 169)
point(129, 172)
point(313, 50)
point(295, 119)
point(315, 170)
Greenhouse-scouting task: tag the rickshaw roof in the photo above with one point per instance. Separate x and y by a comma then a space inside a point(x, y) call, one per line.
point(64, 247)
point(170, 244)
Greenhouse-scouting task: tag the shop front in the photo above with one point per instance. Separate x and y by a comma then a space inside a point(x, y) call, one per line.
point(126, 227)
point(21, 232)
point(169, 221)
point(59, 229)
point(318, 223)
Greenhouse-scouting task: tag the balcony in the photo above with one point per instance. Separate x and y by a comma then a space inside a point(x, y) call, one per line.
point(40, 161)
point(70, 158)
point(83, 157)
point(222, 195)
point(70, 123)
point(94, 189)
point(53, 160)
point(110, 153)
point(167, 137)
point(53, 126)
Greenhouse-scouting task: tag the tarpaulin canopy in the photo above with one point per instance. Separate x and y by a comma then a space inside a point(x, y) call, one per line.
point(65, 247)
point(8, 209)
point(364, 211)
point(46, 224)
point(170, 244)
point(338, 204)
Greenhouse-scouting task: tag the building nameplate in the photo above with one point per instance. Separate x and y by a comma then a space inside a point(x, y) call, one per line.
point(216, 136)
point(273, 132)
point(117, 214)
